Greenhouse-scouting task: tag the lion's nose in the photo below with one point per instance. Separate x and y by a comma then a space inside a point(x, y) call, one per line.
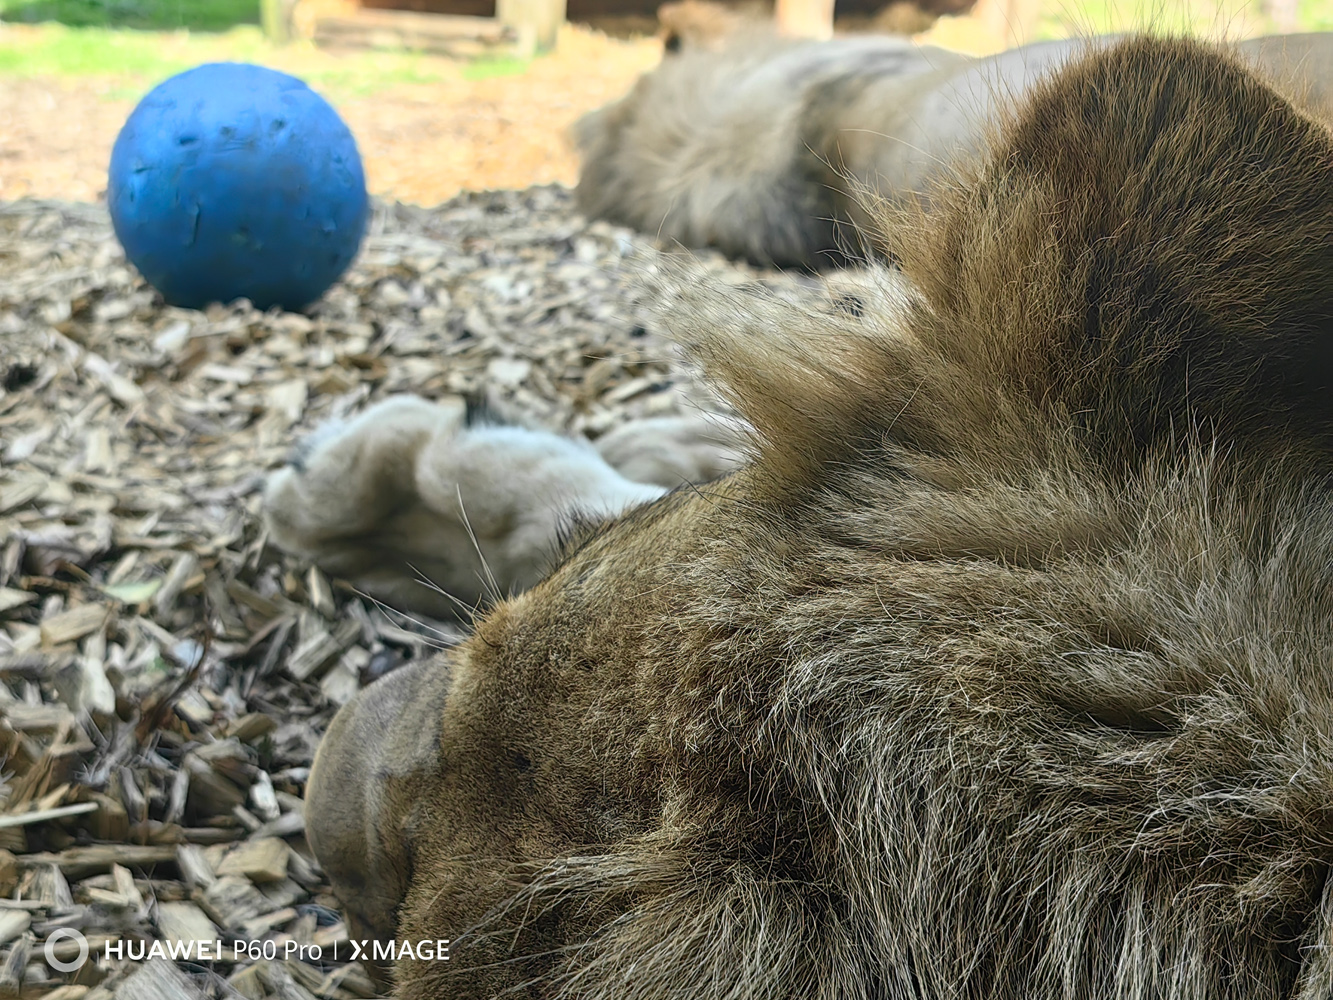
point(378, 754)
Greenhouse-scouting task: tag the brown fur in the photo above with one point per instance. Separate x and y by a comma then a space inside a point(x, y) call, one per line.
point(1002, 672)
point(762, 149)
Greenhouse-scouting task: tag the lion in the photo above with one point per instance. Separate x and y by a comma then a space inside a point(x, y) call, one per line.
point(767, 147)
point(1002, 667)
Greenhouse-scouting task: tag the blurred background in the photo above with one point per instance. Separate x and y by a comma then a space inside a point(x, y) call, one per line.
point(445, 95)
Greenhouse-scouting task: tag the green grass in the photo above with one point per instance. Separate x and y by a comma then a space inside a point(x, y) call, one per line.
point(1316, 15)
point(117, 52)
point(136, 60)
point(487, 68)
point(1209, 18)
point(146, 15)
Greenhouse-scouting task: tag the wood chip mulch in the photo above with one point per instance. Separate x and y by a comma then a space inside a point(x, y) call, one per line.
point(164, 674)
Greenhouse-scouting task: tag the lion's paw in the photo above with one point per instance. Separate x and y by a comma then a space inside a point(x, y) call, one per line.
point(430, 513)
point(670, 451)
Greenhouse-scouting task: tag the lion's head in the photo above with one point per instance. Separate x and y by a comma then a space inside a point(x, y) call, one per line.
point(1002, 671)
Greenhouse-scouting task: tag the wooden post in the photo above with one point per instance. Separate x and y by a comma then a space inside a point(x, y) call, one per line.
point(1285, 15)
point(276, 18)
point(1013, 21)
point(805, 18)
point(536, 22)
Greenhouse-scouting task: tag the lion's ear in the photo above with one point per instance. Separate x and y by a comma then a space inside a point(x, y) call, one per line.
point(1148, 249)
point(826, 393)
point(809, 384)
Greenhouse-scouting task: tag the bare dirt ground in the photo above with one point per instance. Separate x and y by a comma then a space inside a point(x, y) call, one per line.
point(422, 143)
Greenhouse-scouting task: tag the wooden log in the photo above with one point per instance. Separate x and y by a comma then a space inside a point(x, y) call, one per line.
point(276, 18)
point(437, 33)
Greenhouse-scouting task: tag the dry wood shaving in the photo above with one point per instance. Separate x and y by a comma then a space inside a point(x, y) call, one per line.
point(164, 674)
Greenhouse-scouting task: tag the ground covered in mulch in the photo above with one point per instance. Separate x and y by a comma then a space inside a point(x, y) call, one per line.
point(165, 675)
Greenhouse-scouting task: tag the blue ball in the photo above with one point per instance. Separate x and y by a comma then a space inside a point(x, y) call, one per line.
point(231, 180)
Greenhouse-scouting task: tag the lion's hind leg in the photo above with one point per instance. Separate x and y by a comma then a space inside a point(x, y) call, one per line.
point(347, 476)
point(348, 500)
point(671, 451)
point(430, 512)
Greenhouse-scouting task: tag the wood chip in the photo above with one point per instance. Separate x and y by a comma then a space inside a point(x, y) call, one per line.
point(321, 595)
point(318, 653)
point(263, 798)
point(34, 665)
point(287, 825)
point(183, 569)
point(15, 495)
point(194, 865)
point(251, 727)
point(158, 979)
point(43, 815)
point(28, 718)
point(261, 925)
point(119, 387)
point(74, 624)
point(11, 969)
point(232, 900)
point(12, 924)
point(126, 887)
point(184, 922)
point(112, 821)
point(226, 373)
point(71, 992)
point(11, 598)
point(261, 860)
point(9, 872)
point(78, 862)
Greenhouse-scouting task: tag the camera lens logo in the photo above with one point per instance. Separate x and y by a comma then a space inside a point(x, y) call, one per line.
point(65, 934)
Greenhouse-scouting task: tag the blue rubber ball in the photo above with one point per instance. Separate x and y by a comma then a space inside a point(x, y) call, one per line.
point(231, 180)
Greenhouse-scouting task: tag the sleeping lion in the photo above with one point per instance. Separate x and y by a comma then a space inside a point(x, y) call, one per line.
point(1002, 668)
point(768, 149)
